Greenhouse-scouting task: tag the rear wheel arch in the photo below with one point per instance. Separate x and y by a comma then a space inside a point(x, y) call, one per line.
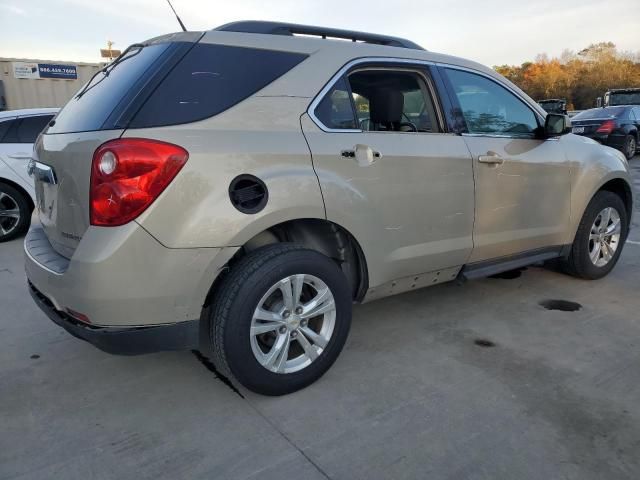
point(328, 238)
point(323, 236)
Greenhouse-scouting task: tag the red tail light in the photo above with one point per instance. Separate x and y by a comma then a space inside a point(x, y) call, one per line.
point(606, 127)
point(127, 175)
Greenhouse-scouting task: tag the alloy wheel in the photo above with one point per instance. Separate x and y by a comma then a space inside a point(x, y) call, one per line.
point(604, 238)
point(631, 147)
point(9, 214)
point(293, 323)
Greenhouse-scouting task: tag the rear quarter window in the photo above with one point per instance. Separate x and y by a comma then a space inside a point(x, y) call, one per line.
point(209, 80)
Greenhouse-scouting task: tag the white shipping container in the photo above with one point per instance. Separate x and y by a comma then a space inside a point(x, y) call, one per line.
point(29, 83)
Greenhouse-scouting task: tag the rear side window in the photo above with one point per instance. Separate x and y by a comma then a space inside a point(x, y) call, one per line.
point(30, 127)
point(335, 111)
point(5, 125)
point(26, 129)
point(209, 80)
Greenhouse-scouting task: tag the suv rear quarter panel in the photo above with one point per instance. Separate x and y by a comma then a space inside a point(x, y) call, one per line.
point(260, 136)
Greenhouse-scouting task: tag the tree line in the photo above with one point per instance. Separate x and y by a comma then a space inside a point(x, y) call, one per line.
point(577, 77)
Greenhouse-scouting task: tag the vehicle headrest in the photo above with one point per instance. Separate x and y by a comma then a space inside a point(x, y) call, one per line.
point(386, 105)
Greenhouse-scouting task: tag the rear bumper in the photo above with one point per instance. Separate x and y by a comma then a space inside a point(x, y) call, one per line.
point(123, 341)
point(122, 290)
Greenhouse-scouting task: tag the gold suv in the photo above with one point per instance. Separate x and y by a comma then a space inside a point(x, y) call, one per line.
point(237, 190)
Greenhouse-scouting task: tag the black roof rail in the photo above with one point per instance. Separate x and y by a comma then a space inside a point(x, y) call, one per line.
point(277, 28)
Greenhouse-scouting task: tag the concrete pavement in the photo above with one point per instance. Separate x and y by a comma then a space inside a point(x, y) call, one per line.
point(412, 395)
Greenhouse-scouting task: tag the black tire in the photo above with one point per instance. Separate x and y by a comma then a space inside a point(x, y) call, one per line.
point(579, 263)
point(630, 147)
point(238, 296)
point(13, 227)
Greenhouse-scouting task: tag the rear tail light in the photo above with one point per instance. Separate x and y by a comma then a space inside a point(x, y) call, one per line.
point(606, 127)
point(127, 175)
point(81, 317)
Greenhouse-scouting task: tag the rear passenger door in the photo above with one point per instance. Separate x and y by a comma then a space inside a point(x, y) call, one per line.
point(522, 180)
point(389, 171)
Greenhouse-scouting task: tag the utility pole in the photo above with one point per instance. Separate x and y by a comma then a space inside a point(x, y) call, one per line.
point(109, 52)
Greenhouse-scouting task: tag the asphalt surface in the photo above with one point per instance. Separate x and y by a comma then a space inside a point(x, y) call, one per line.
point(551, 395)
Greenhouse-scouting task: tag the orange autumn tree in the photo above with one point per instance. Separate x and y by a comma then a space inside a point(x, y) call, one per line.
point(579, 77)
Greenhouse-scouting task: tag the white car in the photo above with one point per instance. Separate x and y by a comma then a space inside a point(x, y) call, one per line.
point(18, 132)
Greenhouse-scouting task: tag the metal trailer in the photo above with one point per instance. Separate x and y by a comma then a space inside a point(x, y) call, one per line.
point(29, 83)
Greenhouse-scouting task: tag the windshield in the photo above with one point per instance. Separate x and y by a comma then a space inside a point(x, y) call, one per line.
point(552, 106)
point(624, 98)
point(608, 112)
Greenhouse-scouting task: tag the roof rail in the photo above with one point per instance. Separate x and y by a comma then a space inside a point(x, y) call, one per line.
point(277, 28)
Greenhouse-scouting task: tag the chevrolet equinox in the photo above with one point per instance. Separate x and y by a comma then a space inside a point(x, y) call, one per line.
point(237, 190)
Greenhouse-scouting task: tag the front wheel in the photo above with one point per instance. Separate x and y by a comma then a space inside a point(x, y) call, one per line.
point(280, 318)
point(600, 237)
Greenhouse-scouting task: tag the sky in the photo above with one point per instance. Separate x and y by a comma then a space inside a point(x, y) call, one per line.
point(492, 32)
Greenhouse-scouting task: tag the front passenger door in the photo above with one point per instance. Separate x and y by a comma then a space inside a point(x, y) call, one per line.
point(522, 181)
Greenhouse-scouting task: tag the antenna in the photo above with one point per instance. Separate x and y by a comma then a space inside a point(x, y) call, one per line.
point(184, 29)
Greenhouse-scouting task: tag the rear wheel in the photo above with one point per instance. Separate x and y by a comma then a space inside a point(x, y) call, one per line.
point(630, 146)
point(600, 237)
point(280, 318)
point(15, 213)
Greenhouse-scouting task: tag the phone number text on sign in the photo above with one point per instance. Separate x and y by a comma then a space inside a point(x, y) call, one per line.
point(57, 71)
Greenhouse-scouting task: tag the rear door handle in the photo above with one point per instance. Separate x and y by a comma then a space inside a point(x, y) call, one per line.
point(352, 154)
point(491, 159)
point(364, 155)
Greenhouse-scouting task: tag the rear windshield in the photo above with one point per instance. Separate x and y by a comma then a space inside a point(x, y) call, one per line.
point(168, 84)
point(89, 110)
point(209, 80)
point(608, 112)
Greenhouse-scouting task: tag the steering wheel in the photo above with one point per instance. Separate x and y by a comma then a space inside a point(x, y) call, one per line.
point(408, 123)
point(411, 125)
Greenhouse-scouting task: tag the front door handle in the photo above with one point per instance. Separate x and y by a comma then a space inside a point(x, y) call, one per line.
point(364, 155)
point(491, 159)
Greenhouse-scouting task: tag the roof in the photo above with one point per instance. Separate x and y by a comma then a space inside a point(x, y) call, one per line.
point(622, 90)
point(27, 111)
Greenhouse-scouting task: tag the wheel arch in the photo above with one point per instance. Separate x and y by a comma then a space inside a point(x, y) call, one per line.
point(321, 235)
point(326, 237)
point(20, 189)
point(620, 187)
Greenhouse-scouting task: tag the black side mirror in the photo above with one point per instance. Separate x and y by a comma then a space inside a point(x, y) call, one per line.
point(556, 124)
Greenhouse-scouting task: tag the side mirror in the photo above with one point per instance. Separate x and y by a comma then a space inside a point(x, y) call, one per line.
point(556, 124)
point(599, 102)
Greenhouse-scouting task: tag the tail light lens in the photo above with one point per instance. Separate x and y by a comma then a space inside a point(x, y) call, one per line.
point(127, 175)
point(606, 127)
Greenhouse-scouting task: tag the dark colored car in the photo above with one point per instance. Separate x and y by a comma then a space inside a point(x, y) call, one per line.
point(554, 105)
point(616, 127)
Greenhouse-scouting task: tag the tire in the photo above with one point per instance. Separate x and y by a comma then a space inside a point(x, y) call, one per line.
point(239, 352)
point(580, 263)
point(630, 147)
point(15, 213)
